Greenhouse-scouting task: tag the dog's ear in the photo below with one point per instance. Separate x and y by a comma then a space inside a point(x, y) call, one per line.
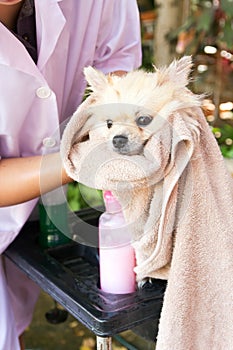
point(177, 72)
point(180, 70)
point(95, 79)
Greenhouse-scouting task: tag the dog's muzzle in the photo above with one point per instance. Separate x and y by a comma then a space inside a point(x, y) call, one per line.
point(119, 141)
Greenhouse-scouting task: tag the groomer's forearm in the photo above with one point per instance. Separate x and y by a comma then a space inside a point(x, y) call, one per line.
point(22, 179)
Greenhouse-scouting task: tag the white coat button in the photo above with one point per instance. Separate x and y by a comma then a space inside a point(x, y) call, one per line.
point(43, 92)
point(49, 142)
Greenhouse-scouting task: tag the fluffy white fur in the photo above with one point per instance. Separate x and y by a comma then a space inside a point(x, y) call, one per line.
point(123, 99)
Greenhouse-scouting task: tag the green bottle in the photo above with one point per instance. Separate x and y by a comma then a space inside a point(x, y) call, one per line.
point(53, 210)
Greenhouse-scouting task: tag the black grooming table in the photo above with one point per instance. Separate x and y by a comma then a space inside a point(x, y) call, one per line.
point(70, 274)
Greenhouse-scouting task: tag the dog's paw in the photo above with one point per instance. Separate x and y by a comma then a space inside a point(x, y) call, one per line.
point(150, 283)
point(146, 282)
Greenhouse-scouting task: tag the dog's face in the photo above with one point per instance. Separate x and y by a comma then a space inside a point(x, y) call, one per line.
point(122, 126)
point(126, 111)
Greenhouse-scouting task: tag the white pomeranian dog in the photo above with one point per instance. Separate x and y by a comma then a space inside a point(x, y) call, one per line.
point(126, 111)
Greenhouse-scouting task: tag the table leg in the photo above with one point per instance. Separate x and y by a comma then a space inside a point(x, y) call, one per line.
point(104, 343)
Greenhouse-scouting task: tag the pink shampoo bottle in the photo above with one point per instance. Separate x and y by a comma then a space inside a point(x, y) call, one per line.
point(116, 254)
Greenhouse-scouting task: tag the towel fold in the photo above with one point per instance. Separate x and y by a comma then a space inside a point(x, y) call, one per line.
point(177, 197)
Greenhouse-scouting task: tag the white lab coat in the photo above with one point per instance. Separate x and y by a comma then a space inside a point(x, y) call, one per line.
point(35, 99)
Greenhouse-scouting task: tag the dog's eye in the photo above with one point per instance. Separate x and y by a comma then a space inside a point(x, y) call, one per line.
point(143, 120)
point(109, 123)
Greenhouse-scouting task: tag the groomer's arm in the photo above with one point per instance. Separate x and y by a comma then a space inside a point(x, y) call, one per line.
point(22, 179)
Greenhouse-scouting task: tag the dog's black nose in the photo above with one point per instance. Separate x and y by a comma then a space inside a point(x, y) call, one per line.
point(119, 141)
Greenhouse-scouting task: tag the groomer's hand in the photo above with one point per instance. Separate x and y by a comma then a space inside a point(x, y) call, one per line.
point(22, 179)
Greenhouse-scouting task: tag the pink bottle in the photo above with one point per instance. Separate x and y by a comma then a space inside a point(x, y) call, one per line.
point(117, 258)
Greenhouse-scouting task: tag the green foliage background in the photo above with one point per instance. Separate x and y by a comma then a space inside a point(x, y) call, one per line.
point(80, 196)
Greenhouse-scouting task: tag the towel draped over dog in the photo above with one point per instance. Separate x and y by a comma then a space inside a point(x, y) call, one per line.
point(177, 197)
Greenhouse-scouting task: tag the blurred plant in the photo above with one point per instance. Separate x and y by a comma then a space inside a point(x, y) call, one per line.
point(80, 196)
point(224, 137)
point(146, 5)
point(207, 35)
point(148, 15)
point(209, 23)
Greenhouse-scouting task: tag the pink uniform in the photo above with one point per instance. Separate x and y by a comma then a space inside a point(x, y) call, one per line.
point(35, 99)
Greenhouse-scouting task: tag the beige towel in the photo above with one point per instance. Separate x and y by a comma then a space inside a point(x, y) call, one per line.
point(176, 194)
